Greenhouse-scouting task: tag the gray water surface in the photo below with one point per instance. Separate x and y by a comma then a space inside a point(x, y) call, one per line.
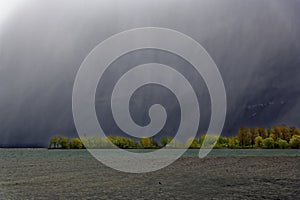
point(45, 153)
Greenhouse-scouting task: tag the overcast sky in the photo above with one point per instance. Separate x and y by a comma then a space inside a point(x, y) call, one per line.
point(254, 43)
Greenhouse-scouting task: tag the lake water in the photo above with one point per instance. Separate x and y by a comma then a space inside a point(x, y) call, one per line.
point(45, 153)
point(224, 174)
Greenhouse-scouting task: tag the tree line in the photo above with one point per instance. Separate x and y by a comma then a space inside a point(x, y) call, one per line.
point(277, 137)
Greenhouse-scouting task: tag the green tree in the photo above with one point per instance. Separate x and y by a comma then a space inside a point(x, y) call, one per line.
point(174, 144)
point(210, 140)
point(258, 142)
point(154, 142)
point(76, 143)
point(194, 143)
point(106, 143)
point(223, 142)
point(86, 141)
point(233, 142)
point(294, 131)
point(95, 142)
point(164, 141)
point(285, 133)
point(201, 139)
point(146, 142)
point(262, 132)
point(268, 143)
point(253, 134)
point(276, 133)
point(121, 142)
point(54, 142)
point(63, 142)
point(269, 130)
point(295, 142)
point(244, 137)
point(282, 144)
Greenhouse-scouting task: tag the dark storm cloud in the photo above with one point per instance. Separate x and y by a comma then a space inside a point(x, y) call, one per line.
point(255, 44)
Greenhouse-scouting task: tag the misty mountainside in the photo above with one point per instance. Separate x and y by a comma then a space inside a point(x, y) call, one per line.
point(255, 44)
